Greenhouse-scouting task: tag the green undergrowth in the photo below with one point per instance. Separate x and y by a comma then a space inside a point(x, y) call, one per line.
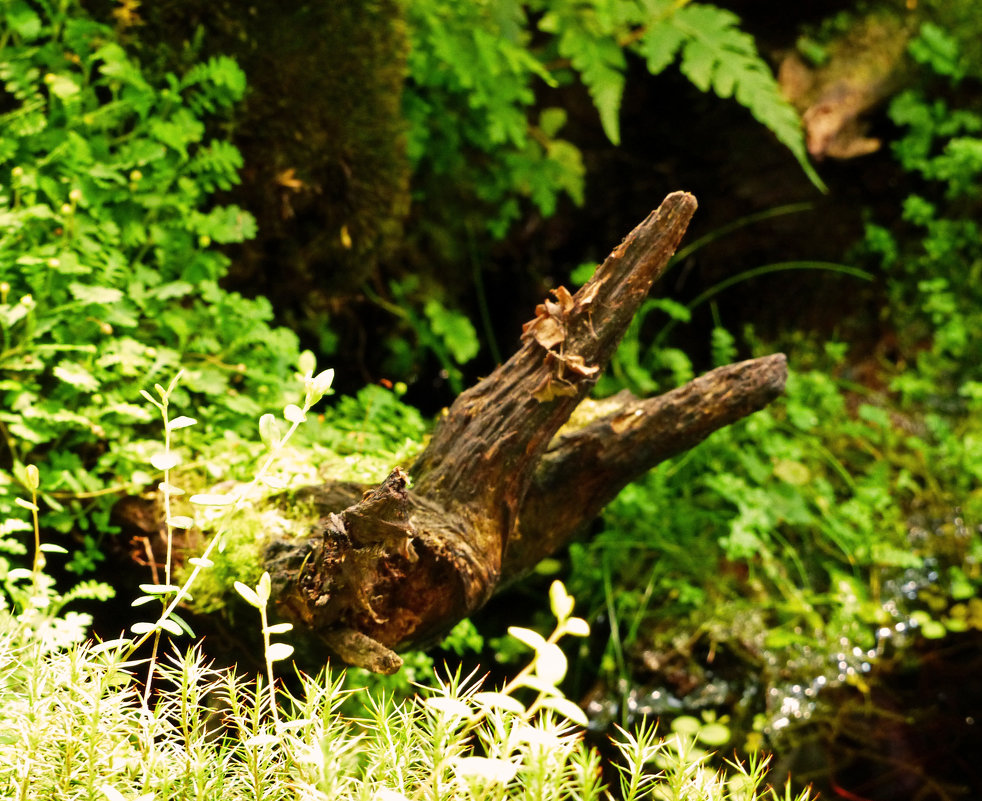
point(91, 721)
point(359, 438)
point(476, 70)
point(109, 263)
point(496, 141)
point(842, 522)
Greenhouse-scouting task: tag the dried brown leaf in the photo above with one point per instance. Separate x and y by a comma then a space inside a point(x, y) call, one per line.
point(565, 299)
point(575, 363)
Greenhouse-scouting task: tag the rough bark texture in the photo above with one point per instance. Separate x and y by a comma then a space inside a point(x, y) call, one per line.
point(403, 564)
point(584, 469)
point(591, 460)
point(508, 477)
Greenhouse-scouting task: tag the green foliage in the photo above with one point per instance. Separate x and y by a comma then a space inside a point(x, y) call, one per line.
point(847, 512)
point(474, 69)
point(108, 277)
point(933, 262)
point(445, 333)
point(38, 606)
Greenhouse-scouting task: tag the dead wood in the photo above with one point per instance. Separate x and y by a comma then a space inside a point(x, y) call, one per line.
point(499, 486)
point(402, 564)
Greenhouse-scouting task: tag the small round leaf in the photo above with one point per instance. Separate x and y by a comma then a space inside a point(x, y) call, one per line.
point(279, 651)
point(248, 594)
point(550, 663)
point(532, 639)
point(560, 601)
point(294, 413)
point(279, 628)
point(165, 460)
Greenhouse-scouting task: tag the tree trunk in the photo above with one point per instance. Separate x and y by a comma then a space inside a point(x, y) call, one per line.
point(499, 486)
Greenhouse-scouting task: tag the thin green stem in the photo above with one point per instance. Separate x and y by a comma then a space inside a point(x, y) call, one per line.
point(756, 272)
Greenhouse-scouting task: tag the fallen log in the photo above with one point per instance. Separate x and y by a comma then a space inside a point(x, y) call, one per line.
point(507, 477)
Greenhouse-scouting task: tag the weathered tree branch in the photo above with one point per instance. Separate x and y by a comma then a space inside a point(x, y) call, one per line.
point(403, 563)
point(589, 462)
point(500, 486)
point(584, 470)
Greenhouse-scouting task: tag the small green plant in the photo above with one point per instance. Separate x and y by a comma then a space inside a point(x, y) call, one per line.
point(274, 439)
point(445, 333)
point(272, 651)
point(932, 261)
point(35, 603)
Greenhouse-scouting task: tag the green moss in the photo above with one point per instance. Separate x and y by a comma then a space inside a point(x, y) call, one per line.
point(240, 559)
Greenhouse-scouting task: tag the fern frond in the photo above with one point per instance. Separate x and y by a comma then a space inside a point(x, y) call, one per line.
point(217, 83)
point(89, 590)
point(716, 55)
point(216, 165)
point(587, 37)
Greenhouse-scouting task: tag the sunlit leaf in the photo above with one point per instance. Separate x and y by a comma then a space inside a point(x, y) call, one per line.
point(18, 573)
point(143, 627)
point(279, 628)
point(263, 588)
point(171, 627)
point(532, 639)
point(560, 601)
point(307, 362)
point(248, 594)
point(714, 734)
point(269, 430)
point(686, 724)
point(165, 460)
point(159, 589)
point(143, 600)
point(109, 645)
point(550, 663)
point(294, 413)
point(279, 651)
point(451, 707)
point(564, 707)
point(577, 626)
point(499, 701)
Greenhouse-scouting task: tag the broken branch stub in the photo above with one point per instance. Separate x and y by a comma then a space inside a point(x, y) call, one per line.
point(586, 467)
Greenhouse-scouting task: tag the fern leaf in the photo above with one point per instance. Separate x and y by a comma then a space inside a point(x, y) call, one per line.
point(216, 165)
point(596, 56)
point(717, 56)
point(660, 44)
point(89, 590)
